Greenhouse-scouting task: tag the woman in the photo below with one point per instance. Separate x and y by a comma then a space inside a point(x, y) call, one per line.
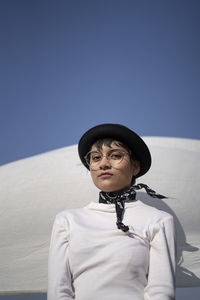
point(119, 248)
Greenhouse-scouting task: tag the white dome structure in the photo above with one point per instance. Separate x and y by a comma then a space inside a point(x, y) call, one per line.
point(35, 189)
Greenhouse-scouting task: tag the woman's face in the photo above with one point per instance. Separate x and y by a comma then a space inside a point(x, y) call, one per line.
point(111, 176)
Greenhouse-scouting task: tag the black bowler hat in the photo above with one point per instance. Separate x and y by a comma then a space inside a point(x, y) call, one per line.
point(119, 133)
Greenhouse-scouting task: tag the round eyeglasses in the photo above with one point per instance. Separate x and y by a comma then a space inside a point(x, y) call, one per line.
point(114, 156)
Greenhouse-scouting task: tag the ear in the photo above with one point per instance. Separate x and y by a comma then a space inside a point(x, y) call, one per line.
point(136, 167)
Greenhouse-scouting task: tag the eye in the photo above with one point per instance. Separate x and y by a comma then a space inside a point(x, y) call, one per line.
point(95, 157)
point(116, 155)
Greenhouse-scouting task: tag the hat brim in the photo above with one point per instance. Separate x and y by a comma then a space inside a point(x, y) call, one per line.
point(119, 133)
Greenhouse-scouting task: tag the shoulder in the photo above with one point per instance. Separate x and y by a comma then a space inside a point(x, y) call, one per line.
point(158, 223)
point(152, 214)
point(68, 214)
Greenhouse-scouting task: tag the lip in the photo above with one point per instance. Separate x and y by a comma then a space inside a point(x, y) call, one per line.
point(105, 175)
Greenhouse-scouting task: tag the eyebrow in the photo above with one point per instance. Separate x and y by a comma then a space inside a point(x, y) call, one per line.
point(109, 150)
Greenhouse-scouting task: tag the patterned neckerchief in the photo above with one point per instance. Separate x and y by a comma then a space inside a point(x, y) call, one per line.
point(127, 195)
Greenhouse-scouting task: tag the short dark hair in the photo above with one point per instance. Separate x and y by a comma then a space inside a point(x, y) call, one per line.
point(108, 141)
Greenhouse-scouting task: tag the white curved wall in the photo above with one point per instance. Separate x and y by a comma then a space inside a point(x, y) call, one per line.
point(33, 190)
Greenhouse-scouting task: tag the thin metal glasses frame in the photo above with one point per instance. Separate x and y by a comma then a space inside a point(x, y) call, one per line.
point(105, 155)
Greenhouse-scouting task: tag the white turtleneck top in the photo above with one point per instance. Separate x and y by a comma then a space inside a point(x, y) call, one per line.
point(90, 259)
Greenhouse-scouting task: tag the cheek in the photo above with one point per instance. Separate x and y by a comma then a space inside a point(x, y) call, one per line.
point(93, 176)
point(127, 170)
point(130, 173)
point(124, 175)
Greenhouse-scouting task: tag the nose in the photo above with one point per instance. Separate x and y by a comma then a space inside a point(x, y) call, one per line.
point(104, 163)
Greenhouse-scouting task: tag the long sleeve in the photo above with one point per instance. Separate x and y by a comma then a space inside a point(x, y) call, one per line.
point(59, 275)
point(161, 275)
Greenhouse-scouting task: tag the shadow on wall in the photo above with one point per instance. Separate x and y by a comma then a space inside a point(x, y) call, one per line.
point(182, 274)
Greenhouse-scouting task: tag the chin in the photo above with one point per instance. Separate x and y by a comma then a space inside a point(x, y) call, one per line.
point(106, 189)
point(111, 189)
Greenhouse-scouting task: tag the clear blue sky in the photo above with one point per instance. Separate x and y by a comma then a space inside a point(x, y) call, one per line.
point(68, 65)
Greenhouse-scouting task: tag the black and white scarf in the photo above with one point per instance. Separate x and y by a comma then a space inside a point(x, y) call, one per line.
point(127, 195)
